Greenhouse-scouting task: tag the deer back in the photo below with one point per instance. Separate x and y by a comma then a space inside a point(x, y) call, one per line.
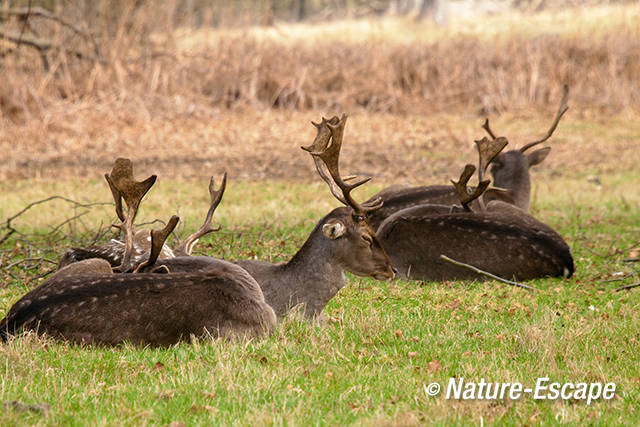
point(146, 308)
point(403, 198)
point(510, 173)
point(113, 251)
point(503, 240)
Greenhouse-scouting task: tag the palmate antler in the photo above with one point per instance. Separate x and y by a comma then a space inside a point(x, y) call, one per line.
point(186, 247)
point(124, 186)
point(325, 150)
point(463, 192)
point(488, 149)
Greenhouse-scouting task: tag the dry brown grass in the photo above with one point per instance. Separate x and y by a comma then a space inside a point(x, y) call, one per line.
point(192, 103)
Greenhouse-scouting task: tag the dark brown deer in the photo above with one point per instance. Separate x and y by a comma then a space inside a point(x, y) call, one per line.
point(502, 240)
point(509, 170)
point(341, 241)
point(86, 302)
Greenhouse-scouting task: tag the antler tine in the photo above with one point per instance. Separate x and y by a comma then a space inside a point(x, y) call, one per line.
point(123, 185)
point(216, 196)
point(461, 187)
point(486, 127)
point(117, 198)
point(158, 237)
point(561, 110)
point(488, 150)
point(330, 156)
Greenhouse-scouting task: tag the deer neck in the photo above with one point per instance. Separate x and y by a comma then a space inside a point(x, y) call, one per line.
point(518, 189)
point(312, 277)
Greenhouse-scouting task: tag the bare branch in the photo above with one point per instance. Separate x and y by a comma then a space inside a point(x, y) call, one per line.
point(627, 287)
point(7, 224)
point(486, 273)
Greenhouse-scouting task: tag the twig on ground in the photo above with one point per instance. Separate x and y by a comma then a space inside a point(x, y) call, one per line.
point(486, 273)
point(627, 287)
point(24, 260)
point(618, 279)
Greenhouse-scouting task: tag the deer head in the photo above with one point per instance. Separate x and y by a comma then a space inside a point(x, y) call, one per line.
point(510, 170)
point(355, 244)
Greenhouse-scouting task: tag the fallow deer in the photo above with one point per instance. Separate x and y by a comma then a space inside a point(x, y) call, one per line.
point(509, 170)
point(341, 241)
point(502, 240)
point(86, 302)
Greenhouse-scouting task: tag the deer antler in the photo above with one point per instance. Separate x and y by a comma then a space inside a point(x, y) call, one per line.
point(319, 144)
point(123, 185)
point(561, 110)
point(216, 196)
point(488, 150)
point(329, 155)
point(486, 127)
point(461, 187)
point(158, 237)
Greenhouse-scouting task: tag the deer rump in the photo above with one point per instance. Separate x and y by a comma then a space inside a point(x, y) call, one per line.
point(503, 241)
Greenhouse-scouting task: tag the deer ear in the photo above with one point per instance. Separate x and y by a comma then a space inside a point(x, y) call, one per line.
point(538, 156)
point(334, 230)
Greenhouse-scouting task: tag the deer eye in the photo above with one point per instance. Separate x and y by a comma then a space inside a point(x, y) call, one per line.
point(358, 218)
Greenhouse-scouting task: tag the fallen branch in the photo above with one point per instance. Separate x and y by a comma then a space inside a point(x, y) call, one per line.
point(486, 273)
point(627, 287)
point(618, 279)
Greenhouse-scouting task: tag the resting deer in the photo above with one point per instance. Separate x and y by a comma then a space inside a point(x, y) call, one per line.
point(341, 241)
point(510, 172)
point(86, 302)
point(502, 240)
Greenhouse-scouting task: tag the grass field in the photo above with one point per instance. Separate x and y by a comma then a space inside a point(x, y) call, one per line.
point(381, 342)
point(241, 101)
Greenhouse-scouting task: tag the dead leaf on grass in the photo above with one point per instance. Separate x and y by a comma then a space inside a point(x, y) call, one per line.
point(204, 408)
point(434, 365)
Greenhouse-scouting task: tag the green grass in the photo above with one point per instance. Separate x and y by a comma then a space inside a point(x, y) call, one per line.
point(380, 343)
